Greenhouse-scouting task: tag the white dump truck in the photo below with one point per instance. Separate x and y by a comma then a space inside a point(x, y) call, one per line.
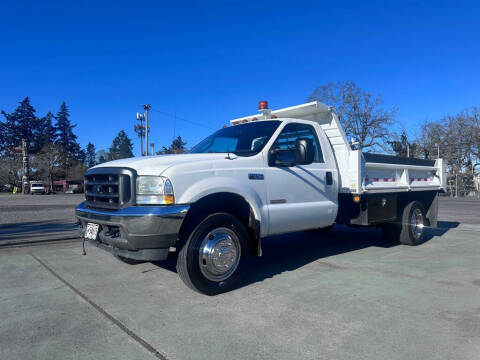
point(274, 172)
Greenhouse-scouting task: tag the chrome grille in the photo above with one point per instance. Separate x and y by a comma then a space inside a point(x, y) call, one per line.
point(108, 188)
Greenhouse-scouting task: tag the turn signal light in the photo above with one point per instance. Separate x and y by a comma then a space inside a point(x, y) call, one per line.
point(169, 199)
point(356, 198)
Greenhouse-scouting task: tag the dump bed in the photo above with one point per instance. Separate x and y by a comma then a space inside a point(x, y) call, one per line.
point(364, 172)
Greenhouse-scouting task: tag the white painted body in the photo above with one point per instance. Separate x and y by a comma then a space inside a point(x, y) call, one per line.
point(289, 198)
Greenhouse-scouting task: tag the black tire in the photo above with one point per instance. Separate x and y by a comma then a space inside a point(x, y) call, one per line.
point(195, 272)
point(128, 260)
point(406, 232)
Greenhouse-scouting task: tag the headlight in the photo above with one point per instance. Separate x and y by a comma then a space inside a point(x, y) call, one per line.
point(152, 190)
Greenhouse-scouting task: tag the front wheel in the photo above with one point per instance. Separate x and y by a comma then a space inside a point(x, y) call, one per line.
point(210, 261)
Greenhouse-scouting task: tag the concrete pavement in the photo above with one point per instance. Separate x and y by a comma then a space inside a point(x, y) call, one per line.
point(347, 295)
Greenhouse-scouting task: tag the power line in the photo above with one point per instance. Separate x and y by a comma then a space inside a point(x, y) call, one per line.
point(176, 117)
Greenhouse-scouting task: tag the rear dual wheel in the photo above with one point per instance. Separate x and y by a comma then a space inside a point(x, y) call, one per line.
point(411, 230)
point(211, 260)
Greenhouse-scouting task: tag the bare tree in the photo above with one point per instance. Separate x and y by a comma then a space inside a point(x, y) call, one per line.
point(361, 113)
point(475, 114)
point(47, 163)
point(455, 138)
point(11, 169)
point(431, 139)
point(76, 171)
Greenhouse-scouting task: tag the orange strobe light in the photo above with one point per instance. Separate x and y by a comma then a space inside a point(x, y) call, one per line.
point(262, 105)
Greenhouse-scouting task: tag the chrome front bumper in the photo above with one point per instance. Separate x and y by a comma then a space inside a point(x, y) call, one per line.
point(137, 232)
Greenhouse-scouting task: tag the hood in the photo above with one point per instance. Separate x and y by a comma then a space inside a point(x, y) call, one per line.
point(155, 165)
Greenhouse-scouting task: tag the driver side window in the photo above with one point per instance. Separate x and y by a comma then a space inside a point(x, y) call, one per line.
point(290, 133)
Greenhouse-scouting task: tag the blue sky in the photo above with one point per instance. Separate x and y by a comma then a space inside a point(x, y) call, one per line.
point(208, 62)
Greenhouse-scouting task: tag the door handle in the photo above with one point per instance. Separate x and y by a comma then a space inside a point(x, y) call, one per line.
point(329, 178)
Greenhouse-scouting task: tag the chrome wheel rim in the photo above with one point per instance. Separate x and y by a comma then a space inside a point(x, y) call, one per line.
point(416, 223)
point(219, 255)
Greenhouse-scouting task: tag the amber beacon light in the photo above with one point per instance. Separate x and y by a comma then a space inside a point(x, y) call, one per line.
point(262, 105)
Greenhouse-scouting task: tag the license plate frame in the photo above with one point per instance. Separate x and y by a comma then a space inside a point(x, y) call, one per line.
point(91, 231)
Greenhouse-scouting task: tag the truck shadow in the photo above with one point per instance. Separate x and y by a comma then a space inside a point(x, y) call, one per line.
point(292, 251)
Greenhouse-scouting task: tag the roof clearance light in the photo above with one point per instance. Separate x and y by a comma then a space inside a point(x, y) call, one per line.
point(262, 105)
point(244, 121)
point(254, 119)
point(274, 116)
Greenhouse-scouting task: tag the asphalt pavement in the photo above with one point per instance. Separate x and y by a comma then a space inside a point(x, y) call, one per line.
point(346, 295)
point(28, 219)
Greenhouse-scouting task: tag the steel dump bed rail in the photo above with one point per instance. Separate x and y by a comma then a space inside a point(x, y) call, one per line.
point(382, 173)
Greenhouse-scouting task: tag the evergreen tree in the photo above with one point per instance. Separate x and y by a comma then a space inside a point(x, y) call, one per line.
point(21, 124)
point(102, 156)
point(67, 139)
point(3, 135)
point(90, 160)
point(48, 132)
point(176, 147)
point(403, 147)
point(121, 148)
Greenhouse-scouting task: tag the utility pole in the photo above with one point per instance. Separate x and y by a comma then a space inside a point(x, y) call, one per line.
point(153, 147)
point(25, 166)
point(408, 150)
point(438, 150)
point(146, 107)
point(456, 185)
point(139, 129)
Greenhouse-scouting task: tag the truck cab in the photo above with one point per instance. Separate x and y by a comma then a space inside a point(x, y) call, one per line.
point(276, 172)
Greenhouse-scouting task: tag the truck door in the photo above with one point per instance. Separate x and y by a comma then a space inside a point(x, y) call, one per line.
point(302, 196)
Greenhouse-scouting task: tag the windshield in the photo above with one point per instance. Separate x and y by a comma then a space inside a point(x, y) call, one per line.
point(244, 140)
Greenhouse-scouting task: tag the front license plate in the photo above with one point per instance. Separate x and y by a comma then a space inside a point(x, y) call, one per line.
point(91, 231)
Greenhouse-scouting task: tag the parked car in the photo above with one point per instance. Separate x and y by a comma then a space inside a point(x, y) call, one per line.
point(272, 173)
point(37, 187)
